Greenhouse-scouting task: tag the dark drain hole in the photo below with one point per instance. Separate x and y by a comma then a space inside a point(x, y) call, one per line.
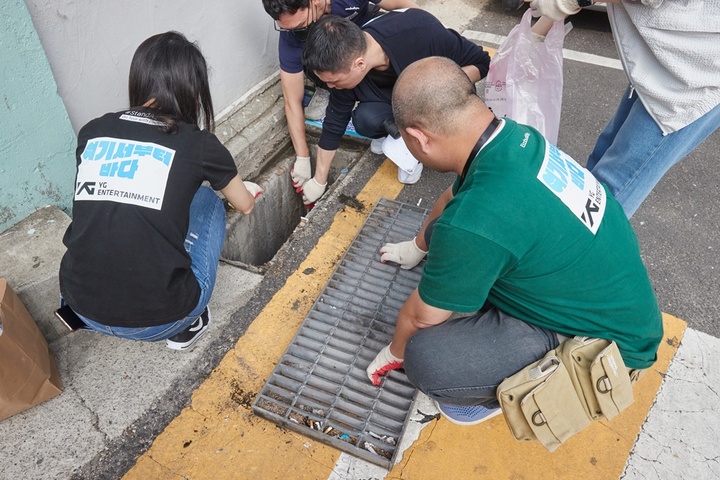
point(252, 241)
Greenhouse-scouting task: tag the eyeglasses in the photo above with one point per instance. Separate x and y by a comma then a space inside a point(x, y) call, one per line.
point(301, 33)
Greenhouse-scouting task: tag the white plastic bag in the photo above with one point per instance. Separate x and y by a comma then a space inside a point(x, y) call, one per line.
point(525, 80)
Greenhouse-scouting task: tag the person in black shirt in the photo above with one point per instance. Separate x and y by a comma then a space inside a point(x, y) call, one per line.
point(293, 18)
point(145, 239)
point(362, 65)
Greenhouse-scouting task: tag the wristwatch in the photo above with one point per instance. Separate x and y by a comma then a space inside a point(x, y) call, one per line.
point(584, 3)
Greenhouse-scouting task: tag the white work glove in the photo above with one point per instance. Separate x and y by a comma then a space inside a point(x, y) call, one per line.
point(383, 363)
point(407, 254)
point(301, 171)
point(555, 9)
point(254, 189)
point(312, 191)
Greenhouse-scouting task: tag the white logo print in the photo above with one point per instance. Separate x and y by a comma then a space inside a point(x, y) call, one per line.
point(124, 171)
point(525, 140)
point(574, 185)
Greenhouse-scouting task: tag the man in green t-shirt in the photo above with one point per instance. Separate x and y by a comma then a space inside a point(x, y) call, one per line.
point(526, 238)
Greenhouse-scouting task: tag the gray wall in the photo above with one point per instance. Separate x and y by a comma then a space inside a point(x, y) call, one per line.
point(77, 53)
point(90, 44)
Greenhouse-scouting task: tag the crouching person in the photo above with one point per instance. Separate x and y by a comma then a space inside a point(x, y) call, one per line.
point(145, 238)
point(526, 238)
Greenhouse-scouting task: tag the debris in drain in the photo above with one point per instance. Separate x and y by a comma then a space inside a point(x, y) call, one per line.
point(385, 438)
point(377, 450)
point(312, 411)
point(297, 418)
point(280, 406)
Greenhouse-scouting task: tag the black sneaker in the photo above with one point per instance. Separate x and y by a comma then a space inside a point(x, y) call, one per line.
point(187, 338)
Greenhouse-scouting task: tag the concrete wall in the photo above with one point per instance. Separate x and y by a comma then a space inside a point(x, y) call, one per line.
point(90, 44)
point(81, 50)
point(37, 143)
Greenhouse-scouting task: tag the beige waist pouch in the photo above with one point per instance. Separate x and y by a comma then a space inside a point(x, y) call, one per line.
point(599, 375)
point(550, 400)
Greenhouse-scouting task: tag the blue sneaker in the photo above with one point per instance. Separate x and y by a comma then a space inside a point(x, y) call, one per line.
point(471, 415)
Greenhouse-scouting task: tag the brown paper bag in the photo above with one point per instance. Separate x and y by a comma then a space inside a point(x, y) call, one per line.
point(28, 374)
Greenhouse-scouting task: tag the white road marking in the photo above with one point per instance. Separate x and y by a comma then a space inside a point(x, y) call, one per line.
point(491, 38)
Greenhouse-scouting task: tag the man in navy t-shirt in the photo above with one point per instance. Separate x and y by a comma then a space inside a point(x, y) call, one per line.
point(292, 19)
point(361, 65)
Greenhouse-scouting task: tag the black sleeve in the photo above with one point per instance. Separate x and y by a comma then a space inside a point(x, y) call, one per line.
point(421, 35)
point(218, 163)
point(467, 53)
point(337, 117)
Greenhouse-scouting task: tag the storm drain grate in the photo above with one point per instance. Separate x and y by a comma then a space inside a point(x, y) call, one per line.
point(319, 388)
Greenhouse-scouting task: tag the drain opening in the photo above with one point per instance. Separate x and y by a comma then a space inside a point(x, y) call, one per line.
point(319, 387)
point(255, 239)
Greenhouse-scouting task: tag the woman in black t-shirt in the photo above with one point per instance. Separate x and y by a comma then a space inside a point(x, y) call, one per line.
point(145, 239)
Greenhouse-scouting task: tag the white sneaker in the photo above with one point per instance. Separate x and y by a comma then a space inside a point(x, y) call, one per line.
point(318, 104)
point(410, 178)
point(376, 146)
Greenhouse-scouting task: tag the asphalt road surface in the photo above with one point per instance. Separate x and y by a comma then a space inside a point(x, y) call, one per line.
point(679, 231)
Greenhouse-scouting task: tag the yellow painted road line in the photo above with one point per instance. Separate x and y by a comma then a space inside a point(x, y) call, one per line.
point(218, 437)
point(488, 450)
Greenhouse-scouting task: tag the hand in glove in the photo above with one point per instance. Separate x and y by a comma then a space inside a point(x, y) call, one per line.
point(383, 363)
point(254, 189)
point(312, 191)
point(301, 171)
point(407, 254)
point(555, 9)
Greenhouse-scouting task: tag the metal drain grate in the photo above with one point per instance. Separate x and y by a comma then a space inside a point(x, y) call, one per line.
point(319, 388)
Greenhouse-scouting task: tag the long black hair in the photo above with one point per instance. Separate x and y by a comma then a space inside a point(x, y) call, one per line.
point(170, 70)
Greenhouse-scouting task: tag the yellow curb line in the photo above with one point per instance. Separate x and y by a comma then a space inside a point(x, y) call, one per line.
point(217, 436)
point(489, 450)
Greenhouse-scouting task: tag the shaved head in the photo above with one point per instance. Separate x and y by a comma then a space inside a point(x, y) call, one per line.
point(436, 95)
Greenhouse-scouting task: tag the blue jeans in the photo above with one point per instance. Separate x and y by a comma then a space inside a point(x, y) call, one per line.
point(462, 361)
point(631, 155)
point(204, 240)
